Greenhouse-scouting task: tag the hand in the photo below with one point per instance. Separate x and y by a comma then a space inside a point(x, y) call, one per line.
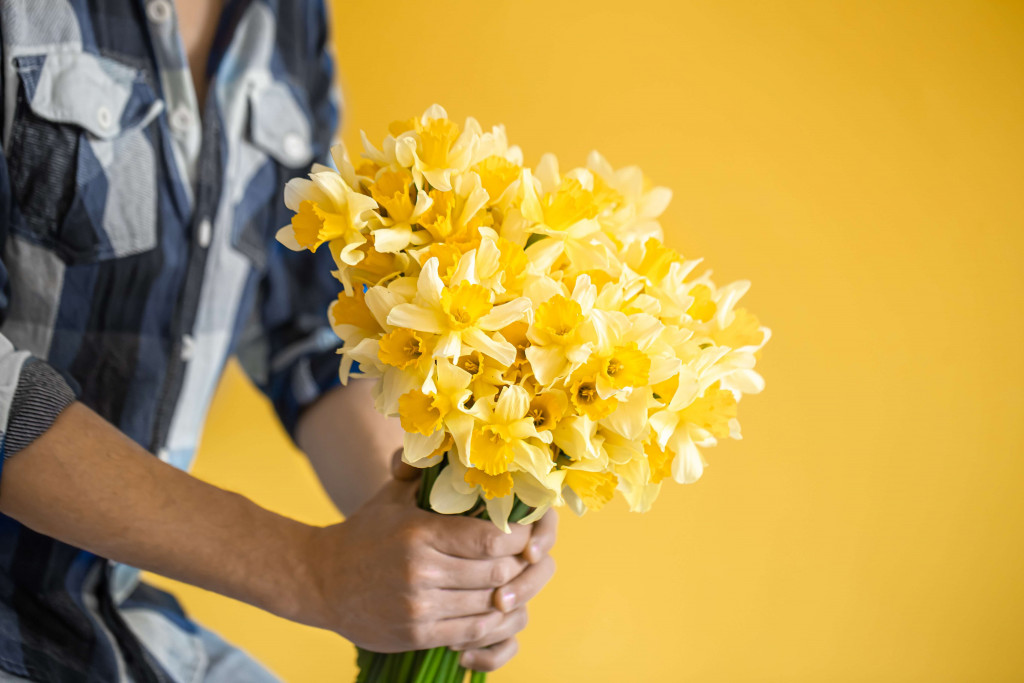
point(500, 645)
point(394, 578)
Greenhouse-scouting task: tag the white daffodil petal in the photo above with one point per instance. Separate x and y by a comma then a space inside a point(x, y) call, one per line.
point(498, 349)
point(417, 447)
point(415, 318)
point(444, 497)
point(504, 314)
point(498, 510)
point(286, 236)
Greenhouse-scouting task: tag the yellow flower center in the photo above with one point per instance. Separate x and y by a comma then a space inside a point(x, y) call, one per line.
point(588, 402)
point(659, 461)
point(568, 204)
point(465, 304)
point(559, 316)
point(472, 363)
point(401, 348)
point(489, 452)
point(595, 489)
point(419, 413)
point(545, 411)
point(352, 310)
point(712, 411)
point(436, 140)
point(512, 262)
point(313, 226)
point(744, 330)
point(396, 128)
point(496, 174)
point(494, 486)
point(627, 367)
point(604, 195)
point(438, 218)
point(657, 260)
point(702, 308)
point(392, 191)
point(375, 266)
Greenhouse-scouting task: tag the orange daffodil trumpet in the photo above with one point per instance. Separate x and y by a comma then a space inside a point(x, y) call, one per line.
point(539, 342)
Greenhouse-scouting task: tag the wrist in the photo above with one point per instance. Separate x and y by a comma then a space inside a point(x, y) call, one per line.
point(307, 598)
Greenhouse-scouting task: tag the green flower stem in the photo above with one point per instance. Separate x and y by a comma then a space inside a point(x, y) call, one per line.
point(375, 669)
point(460, 674)
point(451, 663)
point(428, 667)
point(405, 666)
point(478, 677)
point(364, 659)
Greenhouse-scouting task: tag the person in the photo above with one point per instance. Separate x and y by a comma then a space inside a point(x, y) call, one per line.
point(145, 147)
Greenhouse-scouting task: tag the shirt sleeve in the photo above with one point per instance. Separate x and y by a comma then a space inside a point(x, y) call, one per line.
point(32, 393)
point(289, 349)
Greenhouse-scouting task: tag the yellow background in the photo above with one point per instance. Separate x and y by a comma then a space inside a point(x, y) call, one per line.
point(861, 163)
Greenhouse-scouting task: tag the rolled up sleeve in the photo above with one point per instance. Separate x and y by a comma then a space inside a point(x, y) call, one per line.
point(32, 393)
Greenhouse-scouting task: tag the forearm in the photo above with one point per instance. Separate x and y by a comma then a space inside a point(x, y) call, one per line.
point(85, 483)
point(349, 443)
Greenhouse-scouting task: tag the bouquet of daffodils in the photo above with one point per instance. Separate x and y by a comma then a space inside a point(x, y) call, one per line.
point(538, 341)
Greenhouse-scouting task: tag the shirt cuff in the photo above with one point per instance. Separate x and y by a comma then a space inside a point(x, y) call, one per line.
point(41, 396)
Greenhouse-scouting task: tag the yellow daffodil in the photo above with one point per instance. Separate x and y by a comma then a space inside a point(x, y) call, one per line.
point(393, 190)
point(428, 414)
point(463, 314)
point(500, 432)
point(561, 336)
point(437, 147)
point(630, 206)
point(534, 335)
point(326, 209)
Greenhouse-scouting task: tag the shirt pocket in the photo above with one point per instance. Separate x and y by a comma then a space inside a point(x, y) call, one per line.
point(276, 146)
point(82, 159)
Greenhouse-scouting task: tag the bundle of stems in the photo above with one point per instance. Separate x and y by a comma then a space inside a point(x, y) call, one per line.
point(439, 664)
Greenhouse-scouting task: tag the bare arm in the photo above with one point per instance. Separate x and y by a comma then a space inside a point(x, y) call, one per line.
point(349, 444)
point(382, 579)
point(87, 484)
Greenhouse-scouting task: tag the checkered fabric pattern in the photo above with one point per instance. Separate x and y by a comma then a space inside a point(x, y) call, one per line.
point(137, 256)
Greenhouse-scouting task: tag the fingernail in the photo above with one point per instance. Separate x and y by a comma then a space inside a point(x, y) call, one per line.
point(506, 600)
point(533, 553)
point(466, 661)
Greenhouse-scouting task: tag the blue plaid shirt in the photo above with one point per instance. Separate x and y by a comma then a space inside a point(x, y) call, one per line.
point(138, 255)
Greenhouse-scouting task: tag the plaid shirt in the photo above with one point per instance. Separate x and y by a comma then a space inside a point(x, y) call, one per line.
point(137, 255)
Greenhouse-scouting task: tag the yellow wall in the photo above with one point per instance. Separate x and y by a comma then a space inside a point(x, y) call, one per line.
point(861, 163)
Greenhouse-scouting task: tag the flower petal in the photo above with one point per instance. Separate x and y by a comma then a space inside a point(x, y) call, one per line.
point(415, 318)
point(444, 497)
point(505, 314)
point(501, 351)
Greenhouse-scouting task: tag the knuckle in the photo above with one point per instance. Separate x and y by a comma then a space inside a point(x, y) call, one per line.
point(500, 574)
point(417, 609)
point(489, 545)
point(477, 630)
point(418, 636)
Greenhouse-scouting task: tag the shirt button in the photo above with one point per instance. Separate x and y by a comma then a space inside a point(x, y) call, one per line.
point(188, 347)
point(181, 118)
point(204, 233)
point(159, 11)
point(164, 454)
point(295, 147)
point(104, 117)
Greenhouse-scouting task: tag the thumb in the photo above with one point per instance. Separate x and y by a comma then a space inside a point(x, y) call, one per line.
point(403, 471)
